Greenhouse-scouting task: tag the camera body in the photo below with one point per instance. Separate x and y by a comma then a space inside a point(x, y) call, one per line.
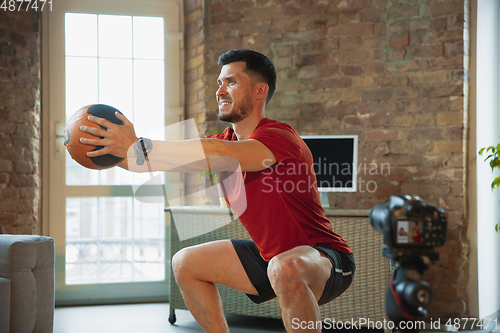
point(410, 227)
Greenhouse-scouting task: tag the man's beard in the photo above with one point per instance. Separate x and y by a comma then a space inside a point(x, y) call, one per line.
point(239, 112)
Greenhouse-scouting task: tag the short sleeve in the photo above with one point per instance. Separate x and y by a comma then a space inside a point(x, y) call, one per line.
point(281, 140)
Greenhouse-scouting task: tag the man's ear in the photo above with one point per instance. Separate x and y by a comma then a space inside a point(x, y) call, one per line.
point(261, 90)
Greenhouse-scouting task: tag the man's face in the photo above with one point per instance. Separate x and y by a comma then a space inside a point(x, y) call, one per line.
point(234, 93)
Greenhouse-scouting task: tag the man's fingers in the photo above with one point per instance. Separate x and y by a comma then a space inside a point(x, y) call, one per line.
point(92, 130)
point(99, 152)
point(91, 142)
point(101, 121)
point(122, 117)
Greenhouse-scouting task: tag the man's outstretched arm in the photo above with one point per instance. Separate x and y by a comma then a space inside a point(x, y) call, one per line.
point(184, 156)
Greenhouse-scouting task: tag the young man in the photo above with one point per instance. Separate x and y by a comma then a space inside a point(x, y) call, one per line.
point(294, 255)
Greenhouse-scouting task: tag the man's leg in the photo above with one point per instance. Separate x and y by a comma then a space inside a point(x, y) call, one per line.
point(298, 278)
point(197, 268)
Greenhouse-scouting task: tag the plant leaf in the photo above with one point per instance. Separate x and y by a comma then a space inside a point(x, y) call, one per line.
point(495, 162)
point(495, 182)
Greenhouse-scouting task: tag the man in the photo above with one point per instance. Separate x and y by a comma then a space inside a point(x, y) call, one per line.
point(415, 234)
point(294, 254)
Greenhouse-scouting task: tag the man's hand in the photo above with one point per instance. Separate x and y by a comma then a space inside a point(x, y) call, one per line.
point(116, 140)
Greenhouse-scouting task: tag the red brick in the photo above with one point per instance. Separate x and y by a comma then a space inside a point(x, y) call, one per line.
point(399, 26)
point(239, 5)
point(427, 51)
point(376, 95)
point(379, 120)
point(341, 109)
point(399, 176)
point(287, 24)
point(394, 80)
point(332, 83)
point(319, 59)
point(353, 120)
point(360, 29)
point(377, 148)
point(349, 43)
point(445, 8)
point(399, 41)
point(374, 67)
point(376, 134)
point(228, 18)
point(443, 91)
point(378, 29)
point(455, 133)
point(457, 189)
point(454, 48)
point(348, 6)
point(293, 10)
point(403, 10)
point(372, 15)
point(375, 107)
point(351, 70)
point(438, 24)
point(7, 218)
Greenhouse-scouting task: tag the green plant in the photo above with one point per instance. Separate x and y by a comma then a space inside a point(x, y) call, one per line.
point(213, 175)
point(494, 158)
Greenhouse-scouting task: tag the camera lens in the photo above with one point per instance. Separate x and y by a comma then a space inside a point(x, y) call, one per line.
point(378, 216)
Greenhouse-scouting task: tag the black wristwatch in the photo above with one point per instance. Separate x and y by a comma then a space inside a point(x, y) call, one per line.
point(142, 148)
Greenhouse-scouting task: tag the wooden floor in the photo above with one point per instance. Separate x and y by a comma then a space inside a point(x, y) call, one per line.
point(153, 318)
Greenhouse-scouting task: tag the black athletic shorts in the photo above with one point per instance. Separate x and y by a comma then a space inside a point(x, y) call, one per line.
point(343, 268)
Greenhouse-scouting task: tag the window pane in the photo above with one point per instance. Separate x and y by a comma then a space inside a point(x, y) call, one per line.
point(115, 239)
point(149, 97)
point(115, 84)
point(148, 37)
point(81, 83)
point(81, 34)
point(115, 36)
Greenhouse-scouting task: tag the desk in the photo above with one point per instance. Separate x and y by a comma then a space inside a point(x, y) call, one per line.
point(364, 298)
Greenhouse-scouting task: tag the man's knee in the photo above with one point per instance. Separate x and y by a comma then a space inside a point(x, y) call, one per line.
point(286, 273)
point(180, 262)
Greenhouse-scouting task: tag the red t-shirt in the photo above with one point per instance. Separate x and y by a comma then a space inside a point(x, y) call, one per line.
point(418, 237)
point(283, 206)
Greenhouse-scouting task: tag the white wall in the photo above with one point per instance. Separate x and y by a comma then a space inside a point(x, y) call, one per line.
point(487, 134)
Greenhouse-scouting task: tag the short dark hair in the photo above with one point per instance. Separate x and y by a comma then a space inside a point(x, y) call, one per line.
point(257, 65)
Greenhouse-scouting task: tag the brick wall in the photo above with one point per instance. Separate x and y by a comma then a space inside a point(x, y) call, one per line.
point(19, 123)
point(390, 71)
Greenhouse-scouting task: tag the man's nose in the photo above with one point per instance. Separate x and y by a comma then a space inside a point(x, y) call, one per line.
point(221, 91)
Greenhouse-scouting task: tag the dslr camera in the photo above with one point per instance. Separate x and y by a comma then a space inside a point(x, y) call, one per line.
point(411, 230)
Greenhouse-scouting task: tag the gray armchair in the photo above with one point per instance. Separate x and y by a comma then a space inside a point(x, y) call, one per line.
point(26, 284)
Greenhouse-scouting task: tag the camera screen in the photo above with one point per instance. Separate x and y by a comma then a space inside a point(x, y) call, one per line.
point(409, 232)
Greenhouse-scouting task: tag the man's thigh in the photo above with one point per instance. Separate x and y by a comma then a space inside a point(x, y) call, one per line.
point(215, 262)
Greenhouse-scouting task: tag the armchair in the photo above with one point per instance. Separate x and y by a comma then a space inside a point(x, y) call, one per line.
point(26, 284)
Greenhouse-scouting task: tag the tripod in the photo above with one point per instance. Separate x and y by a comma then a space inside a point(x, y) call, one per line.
point(406, 297)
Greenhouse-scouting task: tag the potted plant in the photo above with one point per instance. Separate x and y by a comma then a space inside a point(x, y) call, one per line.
point(494, 158)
